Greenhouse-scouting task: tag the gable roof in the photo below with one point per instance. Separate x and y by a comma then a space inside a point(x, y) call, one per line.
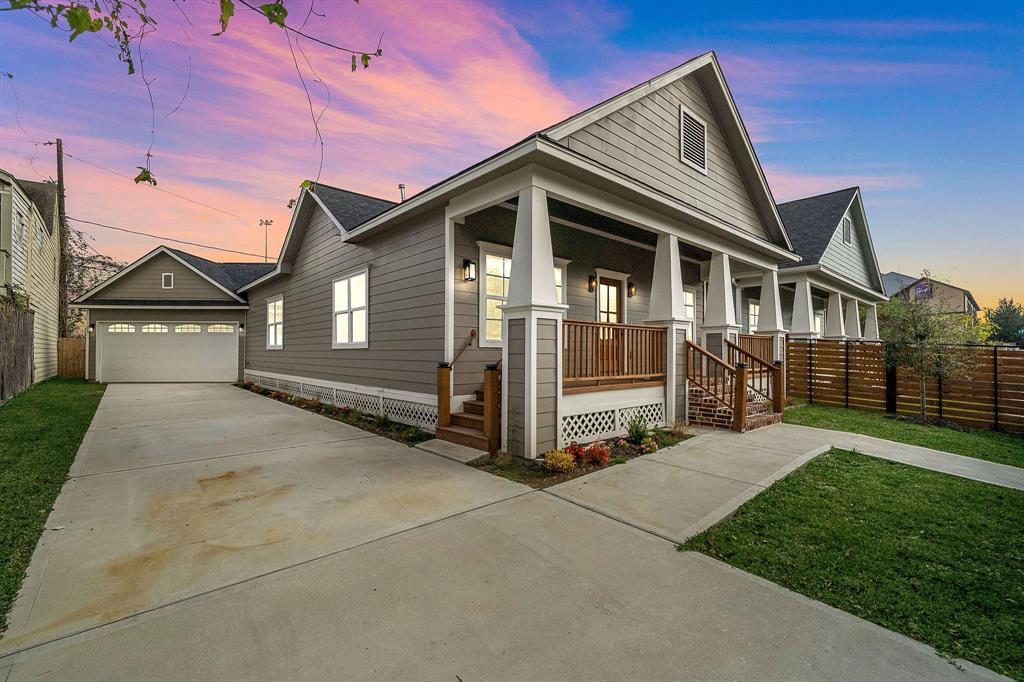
point(229, 275)
point(350, 209)
point(812, 221)
point(895, 282)
point(709, 72)
point(220, 275)
point(44, 196)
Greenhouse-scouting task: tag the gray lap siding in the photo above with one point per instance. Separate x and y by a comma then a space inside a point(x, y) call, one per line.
point(405, 314)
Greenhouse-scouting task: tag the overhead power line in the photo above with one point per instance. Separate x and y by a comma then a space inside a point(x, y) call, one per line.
point(163, 238)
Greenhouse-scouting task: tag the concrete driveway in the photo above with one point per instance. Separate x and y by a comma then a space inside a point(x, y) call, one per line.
point(209, 533)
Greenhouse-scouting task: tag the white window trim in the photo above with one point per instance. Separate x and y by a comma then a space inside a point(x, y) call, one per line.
point(613, 275)
point(481, 282)
point(693, 291)
point(753, 301)
point(683, 109)
point(267, 302)
point(334, 330)
point(162, 280)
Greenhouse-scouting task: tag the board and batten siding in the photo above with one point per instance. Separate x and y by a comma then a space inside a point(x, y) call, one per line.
point(144, 283)
point(405, 315)
point(851, 259)
point(641, 140)
point(100, 316)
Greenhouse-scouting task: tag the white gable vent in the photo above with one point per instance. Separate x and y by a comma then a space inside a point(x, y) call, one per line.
point(693, 140)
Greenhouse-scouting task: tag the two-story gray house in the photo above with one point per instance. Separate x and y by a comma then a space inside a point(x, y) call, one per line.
point(586, 275)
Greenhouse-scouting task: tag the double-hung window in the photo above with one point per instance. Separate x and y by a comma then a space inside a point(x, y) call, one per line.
point(350, 310)
point(497, 274)
point(275, 323)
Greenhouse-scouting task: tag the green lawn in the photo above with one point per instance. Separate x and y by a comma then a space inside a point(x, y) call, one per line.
point(40, 431)
point(935, 557)
point(1005, 448)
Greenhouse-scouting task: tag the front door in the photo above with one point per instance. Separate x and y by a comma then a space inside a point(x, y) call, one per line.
point(609, 302)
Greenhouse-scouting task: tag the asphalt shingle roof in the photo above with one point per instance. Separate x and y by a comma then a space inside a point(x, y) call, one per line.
point(351, 209)
point(811, 222)
point(231, 276)
point(895, 282)
point(44, 196)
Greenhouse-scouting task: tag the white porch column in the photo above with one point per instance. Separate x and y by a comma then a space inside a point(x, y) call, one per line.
point(769, 322)
point(737, 292)
point(531, 335)
point(719, 308)
point(852, 319)
point(667, 310)
point(871, 323)
point(834, 326)
point(803, 311)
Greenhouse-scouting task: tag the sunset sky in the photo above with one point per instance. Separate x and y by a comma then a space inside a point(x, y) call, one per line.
point(921, 107)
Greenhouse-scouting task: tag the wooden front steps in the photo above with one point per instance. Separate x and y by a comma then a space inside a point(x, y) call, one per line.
point(467, 427)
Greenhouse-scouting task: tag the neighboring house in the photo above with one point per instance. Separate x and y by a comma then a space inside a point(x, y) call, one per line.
point(169, 316)
point(823, 294)
point(585, 261)
point(30, 261)
point(942, 296)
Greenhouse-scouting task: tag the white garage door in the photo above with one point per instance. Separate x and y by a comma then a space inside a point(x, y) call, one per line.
point(167, 351)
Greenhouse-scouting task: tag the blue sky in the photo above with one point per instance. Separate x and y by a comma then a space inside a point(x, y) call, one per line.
point(922, 105)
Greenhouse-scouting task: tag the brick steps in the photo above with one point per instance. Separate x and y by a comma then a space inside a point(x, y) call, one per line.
point(707, 410)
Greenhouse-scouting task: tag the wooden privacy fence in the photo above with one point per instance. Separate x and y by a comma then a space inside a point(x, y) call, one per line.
point(989, 395)
point(16, 349)
point(71, 357)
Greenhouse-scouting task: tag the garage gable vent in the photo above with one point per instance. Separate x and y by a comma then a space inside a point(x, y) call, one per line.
point(693, 140)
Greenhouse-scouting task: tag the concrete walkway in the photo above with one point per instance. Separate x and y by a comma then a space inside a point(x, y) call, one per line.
point(212, 534)
point(684, 490)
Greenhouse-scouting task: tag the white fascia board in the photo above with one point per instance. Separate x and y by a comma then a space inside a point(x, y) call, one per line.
point(282, 267)
point(867, 231)
point(101, 306)
point(824, 278)
point(152, 254)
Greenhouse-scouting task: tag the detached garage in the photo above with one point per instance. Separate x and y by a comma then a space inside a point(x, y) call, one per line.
point(169, 317)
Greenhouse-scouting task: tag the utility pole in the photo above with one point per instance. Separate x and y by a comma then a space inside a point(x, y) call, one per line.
point(64, 275)
point(265, 224)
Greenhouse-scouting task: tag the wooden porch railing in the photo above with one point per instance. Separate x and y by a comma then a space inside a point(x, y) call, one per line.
point(710, 373)
point(600, 356)
point(764, 379)
point(758, 346)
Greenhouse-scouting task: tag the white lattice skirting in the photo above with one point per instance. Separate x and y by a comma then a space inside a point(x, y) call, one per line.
point(596, 416)
point(400, 406)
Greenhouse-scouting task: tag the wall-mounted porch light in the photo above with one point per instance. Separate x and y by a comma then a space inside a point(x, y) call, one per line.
point(92, 327)
point(630, 289)
point(241, 328)
point(468, 270)
point(592, 283)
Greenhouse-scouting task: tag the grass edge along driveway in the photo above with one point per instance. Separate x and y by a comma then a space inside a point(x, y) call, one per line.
point(994, 446)
point(40, 431)
point(935, 557)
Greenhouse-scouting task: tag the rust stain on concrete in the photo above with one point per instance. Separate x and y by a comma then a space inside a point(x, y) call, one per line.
point(193, 530)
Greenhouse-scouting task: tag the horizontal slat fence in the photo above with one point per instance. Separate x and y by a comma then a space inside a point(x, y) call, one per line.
point(71, 357)
point(989, 395)
point(16, 349)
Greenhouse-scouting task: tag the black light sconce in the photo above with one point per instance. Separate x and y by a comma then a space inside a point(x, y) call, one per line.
point(92, 327)
point(241, 328)
point(468, 270)
point(630, 289)
point(592, 283)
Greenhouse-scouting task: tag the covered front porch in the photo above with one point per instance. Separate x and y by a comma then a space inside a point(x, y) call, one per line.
point(574, 311)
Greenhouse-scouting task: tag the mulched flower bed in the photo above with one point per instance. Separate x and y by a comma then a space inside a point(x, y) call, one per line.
point(381, 425)
point(577, 460)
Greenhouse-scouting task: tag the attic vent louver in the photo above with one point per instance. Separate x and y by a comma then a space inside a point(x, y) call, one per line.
point(693, 140)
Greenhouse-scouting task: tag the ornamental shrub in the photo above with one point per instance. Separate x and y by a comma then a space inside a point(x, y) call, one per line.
point(597, 455)
point(636, 430)
point(576, 450)
point(559, 460)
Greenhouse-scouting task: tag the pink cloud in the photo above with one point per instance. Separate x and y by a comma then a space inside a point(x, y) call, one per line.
point(788, 185)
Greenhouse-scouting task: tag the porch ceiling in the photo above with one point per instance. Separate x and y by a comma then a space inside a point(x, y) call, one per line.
point(561, 210)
